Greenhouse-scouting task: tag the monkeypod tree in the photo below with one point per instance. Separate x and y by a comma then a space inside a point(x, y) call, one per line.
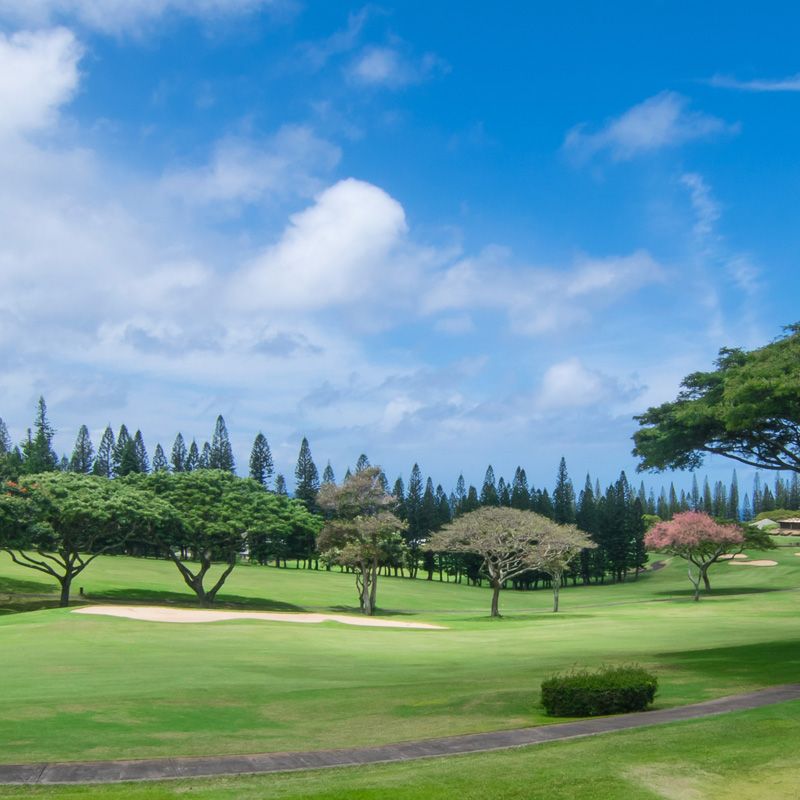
point(58, 523)
point(697, 538)
point(747, 409)
point(510, 542)
point(219, 513)
point(361, 532)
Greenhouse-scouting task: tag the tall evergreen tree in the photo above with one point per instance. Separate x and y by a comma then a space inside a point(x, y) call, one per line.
point(5, 439)
point(429, 511)
point(563, 496)
point(142, 460)
point(192, 458)
point(720, 503)
point(794, 492)
point(444, 511)
point(179, 454)
point(472, 502)
point(747, 509)
point(708, 500)
point(362, 463)
point(205, 457)
point(460, 495)
point(121, 446)
point(757, 495)
point(280, 484)
point(520, 493)
point(160, 463)
point(545, 504)
point(104, 462)
point(695, 496)
point(306, 476)
point(399, 495)
point(503, 492)
point(328, 476)
point(733, 499)
point(37, 450)
point(83, 452)
point(414, 505)
point(221, 454)
point(261, 466)
point(489, 496)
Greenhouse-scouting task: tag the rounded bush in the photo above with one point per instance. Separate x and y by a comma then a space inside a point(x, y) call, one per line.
point(609, 690)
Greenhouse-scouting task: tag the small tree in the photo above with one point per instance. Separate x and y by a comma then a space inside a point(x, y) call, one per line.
point(510, 542)
point(362, 534)
point(697, 538)
point(261, 466)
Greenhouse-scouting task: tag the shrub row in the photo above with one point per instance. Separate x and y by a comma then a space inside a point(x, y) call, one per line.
point(609, 690)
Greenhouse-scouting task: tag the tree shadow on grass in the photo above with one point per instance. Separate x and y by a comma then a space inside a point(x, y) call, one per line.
point(725, 591)
point(18, 586)
point(182, 599)
point(765, 662)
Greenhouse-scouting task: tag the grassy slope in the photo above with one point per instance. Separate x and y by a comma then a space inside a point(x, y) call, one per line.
point(92, 687)
point(746, 755)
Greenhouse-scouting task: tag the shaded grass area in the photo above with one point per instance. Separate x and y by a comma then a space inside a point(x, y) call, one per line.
point(746, 755)
point(79, 687)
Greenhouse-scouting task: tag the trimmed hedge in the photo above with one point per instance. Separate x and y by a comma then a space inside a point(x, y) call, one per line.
point(609, 690)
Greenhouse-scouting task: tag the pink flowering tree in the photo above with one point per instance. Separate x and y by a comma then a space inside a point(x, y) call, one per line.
point(697, 538)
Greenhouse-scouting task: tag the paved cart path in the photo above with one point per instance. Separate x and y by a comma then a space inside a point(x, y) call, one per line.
point(204, 766)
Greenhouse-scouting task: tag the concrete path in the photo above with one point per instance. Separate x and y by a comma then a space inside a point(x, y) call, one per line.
point(204, 766)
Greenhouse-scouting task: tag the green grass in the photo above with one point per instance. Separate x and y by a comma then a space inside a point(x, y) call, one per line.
point(747, 756)
point(78, 687)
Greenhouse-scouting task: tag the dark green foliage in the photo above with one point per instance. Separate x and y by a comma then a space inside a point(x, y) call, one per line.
point(472, 502)
point(179, 456)
point(520, 493)
point(280, 485)
point(489, 496)
point(221, 454)
point(609, 690)
point(503, 492)
point(204, 462)
point(460, 495)
point(83, 452)
point(160, 463)
point(192, 458)
point(104, 462)
point(5, 439)
point(362, 463)
point(261, 466)
point(37, 450)
point(142, 461)
point(306, 476)
point(123, 448)
point(563, 496)
point(328, 476)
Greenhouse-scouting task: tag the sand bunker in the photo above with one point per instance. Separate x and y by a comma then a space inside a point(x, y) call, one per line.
point(738, 556)
point(762, 563)
point(183, 615)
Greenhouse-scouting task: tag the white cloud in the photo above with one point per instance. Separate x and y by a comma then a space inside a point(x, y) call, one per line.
point(705, 207)
point(38, 74)
point(317, 54)
point(659, 122)
point(387, 66)
point(116, 16)
point(245, 171)
point(336, 252)
point(788, 84)
point(570, 384)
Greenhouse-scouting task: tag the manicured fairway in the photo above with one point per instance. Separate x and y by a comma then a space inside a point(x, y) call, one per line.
point(79, 687)
point(747, 756)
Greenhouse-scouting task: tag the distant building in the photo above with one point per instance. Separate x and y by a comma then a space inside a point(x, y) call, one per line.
point(791, 525)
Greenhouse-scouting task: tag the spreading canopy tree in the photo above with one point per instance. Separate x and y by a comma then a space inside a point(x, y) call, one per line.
point(361, 532)
point(747, 409)
point(510, 542)
point(58, 523)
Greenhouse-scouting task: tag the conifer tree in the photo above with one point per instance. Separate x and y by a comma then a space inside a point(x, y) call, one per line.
point(563, 496)
point(82, 453)
point(520, 493)
point(160, 463)
point(708, 501)
point(767, 500)
point(503, 493)
point(472, 503)
point(383, 482)
point(63, 464)
point(758, 505)
point(720, 503)
point(121, 446)
point(205, 457)
point(179, 455)
point(733, 499)
point(5, 439)
point(142, 461)
point(695, 496)
point(192, 458)
point(662, 506)
point(399, 495)
point(460, 495)
point(261, 466)
point(221, 453)
point(444, 511)
point(306, 477)
point(489, 495)
point(413, 505)
point(104, 462)
point(747, 509)
point(280, 484)
point(37, 450)
point(128, 460)
point(545, 504)
point(328, 477)
point(794, 492)
point(362, 463)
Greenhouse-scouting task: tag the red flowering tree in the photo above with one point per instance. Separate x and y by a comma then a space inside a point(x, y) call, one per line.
point(697, 538)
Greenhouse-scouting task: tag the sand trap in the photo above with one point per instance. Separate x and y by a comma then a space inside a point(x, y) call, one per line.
point(182, 615)
point(738, 556)
point(762, 563)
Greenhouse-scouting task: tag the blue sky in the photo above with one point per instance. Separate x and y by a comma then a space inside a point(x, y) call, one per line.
point(446, 233)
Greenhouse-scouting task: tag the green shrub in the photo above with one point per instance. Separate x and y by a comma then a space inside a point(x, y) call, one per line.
point(609, 690)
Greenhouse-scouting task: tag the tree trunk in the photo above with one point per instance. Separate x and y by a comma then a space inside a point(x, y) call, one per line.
point(695, 583)
point(496, 599)
point(556, 587)
point(706, 581)
point(66, 582)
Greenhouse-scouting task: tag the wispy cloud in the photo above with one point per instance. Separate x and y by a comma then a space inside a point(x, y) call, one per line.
point(790, 83)
point(388, 66)
point(318, 53)
point(659, 122)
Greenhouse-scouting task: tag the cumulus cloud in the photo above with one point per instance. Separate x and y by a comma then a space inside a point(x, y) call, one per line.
point(38, 74)
point(571, 384)
point(662, 121)
point(245, 171)
point(389, 67)
point(116, 16)
point(335, 252)
point(789, 84)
